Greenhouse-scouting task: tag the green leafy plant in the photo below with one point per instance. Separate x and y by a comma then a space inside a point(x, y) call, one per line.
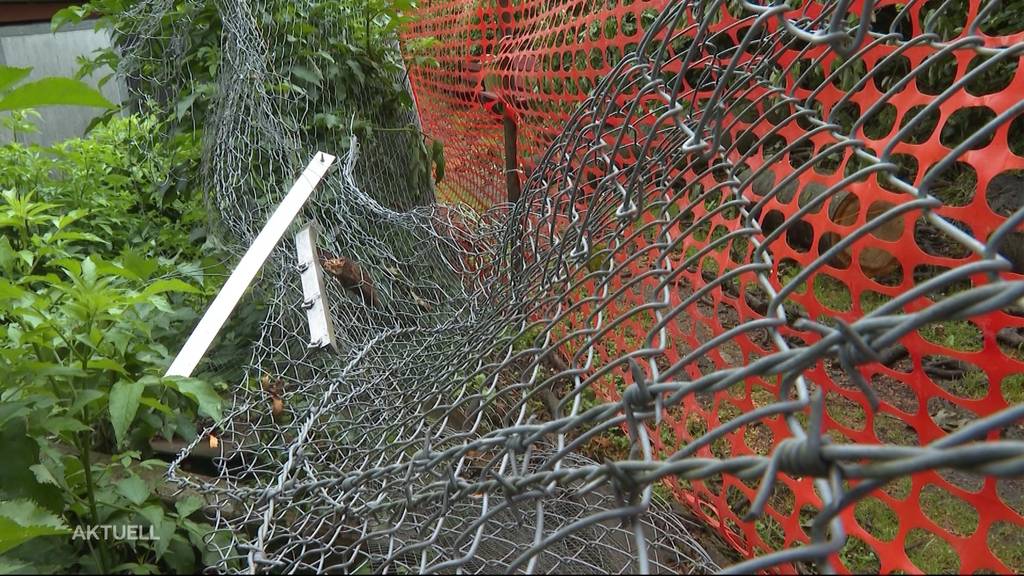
point(335, 61)
point(102, 269)
point(19, 98)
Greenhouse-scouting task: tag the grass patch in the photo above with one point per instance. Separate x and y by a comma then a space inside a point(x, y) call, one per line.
point(877, 518)
point(931, 554)
point(972, 384)
point(871, 300)
point(948, 511)
point(892, 430)
point(846, 412)
point(769, 529)
point(898, 488)
point(953, 334)
point(1013, 388)
point(859, 558)
point(1007, 543)
point(832, 293)
point(788, 270)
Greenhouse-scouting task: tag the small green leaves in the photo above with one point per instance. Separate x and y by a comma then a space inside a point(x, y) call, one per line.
point(184, 105)
point(169, 285)
point(9, 291)
point(100, 272)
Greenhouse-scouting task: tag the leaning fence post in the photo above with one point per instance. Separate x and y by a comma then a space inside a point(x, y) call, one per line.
point(242, 276)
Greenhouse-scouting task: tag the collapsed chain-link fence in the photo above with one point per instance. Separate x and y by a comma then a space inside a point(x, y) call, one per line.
point(763, 266)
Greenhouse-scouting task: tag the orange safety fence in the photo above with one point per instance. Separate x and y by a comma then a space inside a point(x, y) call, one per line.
point(538, 60)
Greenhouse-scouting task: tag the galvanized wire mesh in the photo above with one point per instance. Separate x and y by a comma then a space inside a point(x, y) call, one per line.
point(538, 381)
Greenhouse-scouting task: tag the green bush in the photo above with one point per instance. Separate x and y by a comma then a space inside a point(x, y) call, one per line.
point(104, 264)
point(333, 62)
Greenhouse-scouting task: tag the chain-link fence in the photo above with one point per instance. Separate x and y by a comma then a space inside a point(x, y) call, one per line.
point(765, 264)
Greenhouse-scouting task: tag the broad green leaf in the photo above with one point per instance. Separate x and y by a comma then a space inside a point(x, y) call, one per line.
point(139, 265)
point(171, 285)
point(135, 568)
point(89, 271)
point(357, 70)
point(43, 474)
point(10, 76)
point(85, 398)
point(202, 393)
point(59, 424)
point(153, 514)
point(13, 534)
point(51, 369)
point(188, 505)
point(185, 104)
point(9, 291)
point(9, 410)
point(437, 155)
point(124, 403)
point(53, 92)
point(164, 533)
point(134, 489)
point(23, 520)
point(20, 452)
point(14, 566)
point(180, 556)
point(312, 76)
point(107, 364)
point(155, 405)
point(7, 254)
point(71, 14)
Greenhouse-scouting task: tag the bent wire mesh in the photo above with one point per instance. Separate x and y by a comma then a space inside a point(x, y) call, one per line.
point(763, 280)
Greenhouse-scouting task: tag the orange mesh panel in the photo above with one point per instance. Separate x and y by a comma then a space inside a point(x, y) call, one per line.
point(540, 59)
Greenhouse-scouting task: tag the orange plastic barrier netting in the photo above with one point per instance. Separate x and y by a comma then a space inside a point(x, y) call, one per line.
point(537, 61)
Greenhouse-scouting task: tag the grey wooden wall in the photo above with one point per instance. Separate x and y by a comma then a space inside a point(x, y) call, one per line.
point(50, 54)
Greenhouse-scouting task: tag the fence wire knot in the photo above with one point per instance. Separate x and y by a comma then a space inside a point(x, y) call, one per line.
point(802, 457)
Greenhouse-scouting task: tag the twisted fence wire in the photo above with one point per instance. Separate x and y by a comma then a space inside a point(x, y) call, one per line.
point(519, 398)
